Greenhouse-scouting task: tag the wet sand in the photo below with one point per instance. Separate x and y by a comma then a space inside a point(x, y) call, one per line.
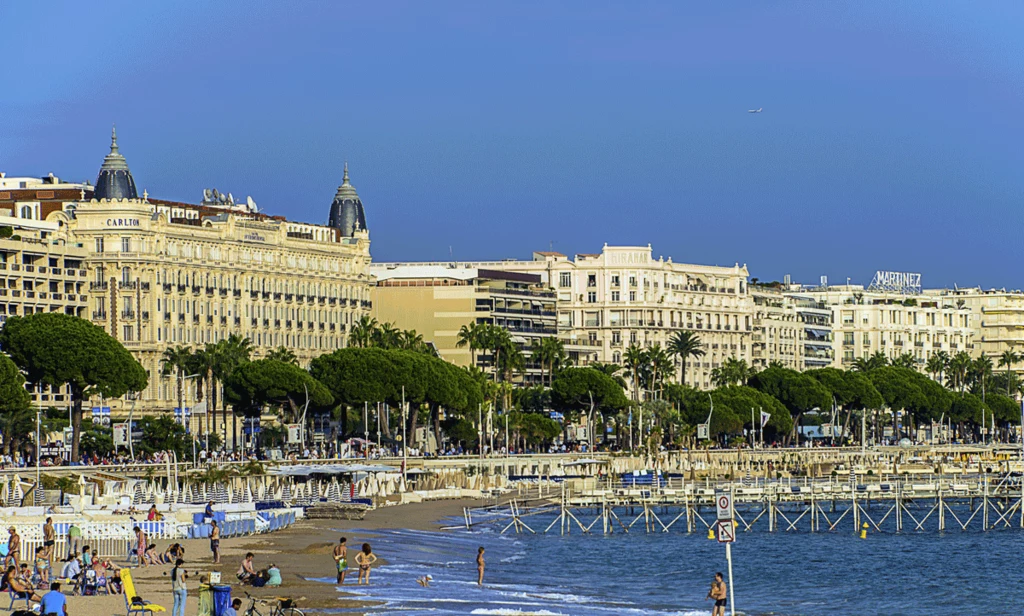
point(302, 552)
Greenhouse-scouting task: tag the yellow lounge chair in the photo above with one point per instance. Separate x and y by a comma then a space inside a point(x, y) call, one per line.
point(133, 602)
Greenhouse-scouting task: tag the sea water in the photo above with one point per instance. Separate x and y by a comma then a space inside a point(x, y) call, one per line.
point(783, 574)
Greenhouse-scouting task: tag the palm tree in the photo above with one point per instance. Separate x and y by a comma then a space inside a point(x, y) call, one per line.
point(1007, 360)
point(959, 366)
point(231, 352)
point(361, 334)
point(550, 353)
point(684, 345)
point(469, 335)
point(411, 341)
point(661, 363)
point(937, 364)
point(283, 354)
point(201, 364)
point(867, 364)
point(904, 360)
point(612, 370)
point(635, 359)
point(496, 339)
point(733, 371)
point(981, 370)
point(386, 336)
point(177, 360)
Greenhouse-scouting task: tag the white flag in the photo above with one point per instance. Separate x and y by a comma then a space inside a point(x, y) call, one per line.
point(764, 418)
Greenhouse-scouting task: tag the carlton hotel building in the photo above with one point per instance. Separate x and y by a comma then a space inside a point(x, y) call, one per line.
point(156, 274)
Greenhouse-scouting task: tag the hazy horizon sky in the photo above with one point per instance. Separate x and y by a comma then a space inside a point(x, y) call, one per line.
point(890, 136)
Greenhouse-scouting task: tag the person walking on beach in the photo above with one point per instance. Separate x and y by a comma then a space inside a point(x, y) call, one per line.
point(178, 577)
point(13, 547)
point(215, 541)
point(141, 546)
point(718, 594)
point(341, 559)
point(480, 566)
point(364, 559)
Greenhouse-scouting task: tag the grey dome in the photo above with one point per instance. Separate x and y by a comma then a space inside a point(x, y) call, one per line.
point(115, 181)
point(347, 210)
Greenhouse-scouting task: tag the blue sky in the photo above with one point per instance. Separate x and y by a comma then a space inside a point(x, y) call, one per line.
point(890, 137)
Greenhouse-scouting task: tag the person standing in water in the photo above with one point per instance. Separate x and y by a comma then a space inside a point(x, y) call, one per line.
point(718, 593)
point(341, 559)
point(364, 559)
point(480, 566)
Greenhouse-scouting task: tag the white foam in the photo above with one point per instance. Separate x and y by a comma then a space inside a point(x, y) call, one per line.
point(506, 612)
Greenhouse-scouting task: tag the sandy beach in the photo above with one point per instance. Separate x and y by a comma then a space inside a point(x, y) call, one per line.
point(302, 552)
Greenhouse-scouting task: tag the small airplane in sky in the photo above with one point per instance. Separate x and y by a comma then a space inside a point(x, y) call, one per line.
point(758, 110)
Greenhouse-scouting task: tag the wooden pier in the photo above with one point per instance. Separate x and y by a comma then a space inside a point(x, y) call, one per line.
point(890, 505)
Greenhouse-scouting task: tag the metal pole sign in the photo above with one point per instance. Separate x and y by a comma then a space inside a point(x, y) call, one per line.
point(723, 504)
point(726, 535)
point(702, 431)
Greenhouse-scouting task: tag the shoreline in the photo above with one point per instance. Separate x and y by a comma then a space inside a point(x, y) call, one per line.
point(303, 553)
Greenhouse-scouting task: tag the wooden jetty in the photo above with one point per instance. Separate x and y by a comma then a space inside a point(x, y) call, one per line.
point(886, 504)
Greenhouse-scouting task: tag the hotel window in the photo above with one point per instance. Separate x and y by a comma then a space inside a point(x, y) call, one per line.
point(564, 279)
point(126, 275)
point(591, 297)
point(615, 296)
point(99, 244)
point(632, 296)
point(615, 280)
point(128, 333)
point(848, 338)
point(591, 280)
point(126, 244)
point(616, 337)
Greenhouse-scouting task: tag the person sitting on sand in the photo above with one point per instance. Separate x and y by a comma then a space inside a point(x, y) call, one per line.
point(72, 568)
point(365, 559)
point(246, 572)
point(273, 575)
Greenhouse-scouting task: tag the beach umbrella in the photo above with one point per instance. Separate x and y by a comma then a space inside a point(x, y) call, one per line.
point(248, 492)
point(139, 495)
point(286, 492)
point(37, 494)
point(401, 486)
point(334, 492)
point(222, 493)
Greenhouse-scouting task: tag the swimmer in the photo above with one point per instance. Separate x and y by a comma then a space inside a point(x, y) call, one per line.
point(480, 566)
point(425, 581)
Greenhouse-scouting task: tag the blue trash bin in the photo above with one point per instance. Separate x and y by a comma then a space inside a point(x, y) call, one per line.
point(221, 598)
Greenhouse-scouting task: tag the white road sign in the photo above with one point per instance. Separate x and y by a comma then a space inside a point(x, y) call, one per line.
point(723, 503)
point(703, 432)
point(726, 531)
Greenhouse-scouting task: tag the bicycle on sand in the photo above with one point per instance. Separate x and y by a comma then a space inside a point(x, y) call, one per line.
point(281, 606)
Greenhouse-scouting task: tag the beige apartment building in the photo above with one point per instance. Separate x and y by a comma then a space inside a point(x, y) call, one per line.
point(40, 271)
point(867, 321)
point(997, 318)
point(791, 329)
point(624, 295)
point(164, 273)
point(438, 299)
